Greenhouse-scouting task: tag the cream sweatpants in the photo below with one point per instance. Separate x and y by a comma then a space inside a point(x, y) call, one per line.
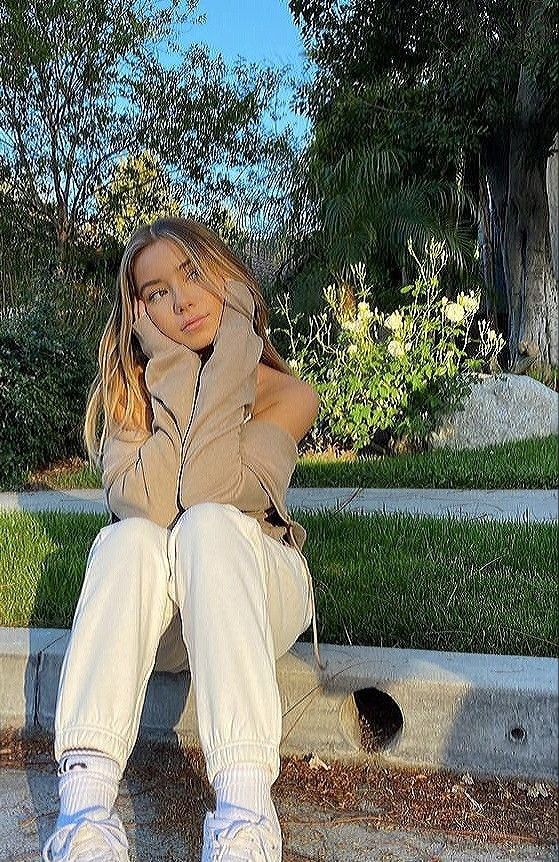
point(214, 595)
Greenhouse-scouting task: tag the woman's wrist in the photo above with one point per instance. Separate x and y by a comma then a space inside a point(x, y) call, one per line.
point(151, 339)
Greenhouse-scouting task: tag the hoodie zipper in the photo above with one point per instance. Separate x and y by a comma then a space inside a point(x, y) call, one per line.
point(200, 371)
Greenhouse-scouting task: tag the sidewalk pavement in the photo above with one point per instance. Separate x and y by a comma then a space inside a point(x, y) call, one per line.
point(508, 504)
point(162, 810)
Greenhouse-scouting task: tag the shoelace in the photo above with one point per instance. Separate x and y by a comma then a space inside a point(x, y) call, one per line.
point(254, 839)
point(85, 831)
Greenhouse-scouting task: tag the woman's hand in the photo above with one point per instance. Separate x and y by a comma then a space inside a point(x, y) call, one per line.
point(150, 337)
point(139, 308)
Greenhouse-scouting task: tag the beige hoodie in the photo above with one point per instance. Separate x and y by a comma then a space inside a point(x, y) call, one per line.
point(204, 445)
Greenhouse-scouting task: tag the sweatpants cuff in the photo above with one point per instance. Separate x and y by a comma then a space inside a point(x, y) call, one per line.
point(92, 737)
point(243, 752)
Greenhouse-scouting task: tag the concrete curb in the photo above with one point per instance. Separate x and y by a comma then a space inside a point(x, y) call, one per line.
point(488, 714)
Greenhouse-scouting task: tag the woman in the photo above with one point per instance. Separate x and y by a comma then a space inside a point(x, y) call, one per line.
point(201, 567)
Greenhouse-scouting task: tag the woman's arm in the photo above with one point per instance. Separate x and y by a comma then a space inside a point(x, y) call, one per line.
point(228, 459)
point(286, 401)
point(139, 469)
point(194, 406)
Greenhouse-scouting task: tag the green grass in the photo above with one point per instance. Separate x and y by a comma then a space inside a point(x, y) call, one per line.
point(389, 580)
point(523, 464)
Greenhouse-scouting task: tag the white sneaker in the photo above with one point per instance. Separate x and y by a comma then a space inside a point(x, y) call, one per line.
point(92, 838)
point(251, 839)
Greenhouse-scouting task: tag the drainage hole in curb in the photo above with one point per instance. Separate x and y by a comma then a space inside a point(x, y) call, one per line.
point(518, 734)
point(380, 718)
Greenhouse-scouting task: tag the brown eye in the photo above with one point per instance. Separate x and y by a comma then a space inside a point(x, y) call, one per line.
point(155, 292)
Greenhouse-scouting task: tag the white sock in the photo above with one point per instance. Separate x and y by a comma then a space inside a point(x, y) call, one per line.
point(88, 782)
point(245, 786)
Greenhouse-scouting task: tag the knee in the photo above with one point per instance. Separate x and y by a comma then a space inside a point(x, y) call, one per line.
point(202, 516)
point(130, 540)
point(205, 535)
point(206, 523)
point(135, 532)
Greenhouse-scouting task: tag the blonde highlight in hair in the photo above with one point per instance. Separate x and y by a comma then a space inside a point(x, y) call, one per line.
point(118, 394)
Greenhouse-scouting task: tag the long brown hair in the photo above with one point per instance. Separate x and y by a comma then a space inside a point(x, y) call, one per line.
point(118, 390)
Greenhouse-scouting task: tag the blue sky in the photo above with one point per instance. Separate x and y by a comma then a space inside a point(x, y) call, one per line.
point(259, 31)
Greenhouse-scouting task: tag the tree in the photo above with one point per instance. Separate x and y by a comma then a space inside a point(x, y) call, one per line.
point(138, 192)
point(64, 68)
point(467, 91)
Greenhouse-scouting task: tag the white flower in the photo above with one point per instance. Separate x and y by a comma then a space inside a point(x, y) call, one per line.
point(396, 348)
point(469, 301)
point(394, 321)
point(363, 310)
point(350, 325)
point(454, 312)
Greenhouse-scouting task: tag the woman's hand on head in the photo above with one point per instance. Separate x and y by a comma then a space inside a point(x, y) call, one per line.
point(139, 308)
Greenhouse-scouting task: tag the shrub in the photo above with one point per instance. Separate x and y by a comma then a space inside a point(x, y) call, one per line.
point(397, 373)
point(45, 373)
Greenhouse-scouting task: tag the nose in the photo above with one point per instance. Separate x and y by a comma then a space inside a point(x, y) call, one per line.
point(180, 300)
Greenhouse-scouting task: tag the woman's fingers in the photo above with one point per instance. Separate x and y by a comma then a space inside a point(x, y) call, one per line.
point(139, 308)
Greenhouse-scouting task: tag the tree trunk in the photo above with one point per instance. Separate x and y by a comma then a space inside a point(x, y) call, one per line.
point(552, 181)
point(516, 175)
point(491, 262)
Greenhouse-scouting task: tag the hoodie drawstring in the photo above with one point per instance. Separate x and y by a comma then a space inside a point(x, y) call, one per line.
point(313, 603)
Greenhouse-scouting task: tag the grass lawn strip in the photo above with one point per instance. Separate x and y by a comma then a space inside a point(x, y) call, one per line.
point(391, 580)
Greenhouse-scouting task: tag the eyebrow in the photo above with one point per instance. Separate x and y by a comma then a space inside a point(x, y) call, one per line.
point(157, 280)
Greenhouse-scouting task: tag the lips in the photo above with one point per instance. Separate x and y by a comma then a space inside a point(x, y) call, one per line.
point(194, 320)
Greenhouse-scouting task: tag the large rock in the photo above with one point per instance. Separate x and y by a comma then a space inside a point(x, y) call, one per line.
point(499, 408)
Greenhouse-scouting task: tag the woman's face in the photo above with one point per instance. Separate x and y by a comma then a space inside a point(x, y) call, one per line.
point(173, 293)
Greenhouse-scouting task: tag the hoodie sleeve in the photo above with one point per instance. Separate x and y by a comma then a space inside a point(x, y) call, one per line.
point(214, 467)
point(139, 470)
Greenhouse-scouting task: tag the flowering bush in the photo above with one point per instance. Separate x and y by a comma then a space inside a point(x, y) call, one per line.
point(398, 372)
